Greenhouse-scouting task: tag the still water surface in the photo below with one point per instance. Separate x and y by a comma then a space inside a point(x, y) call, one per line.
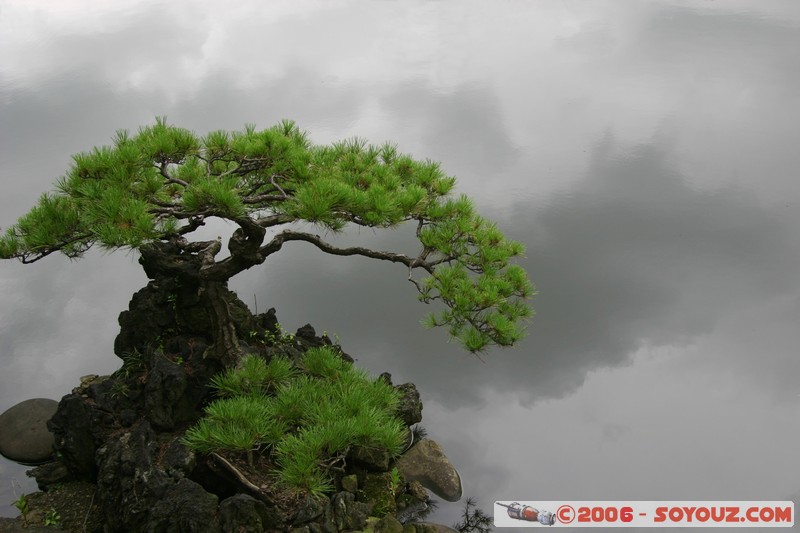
point(645, 153)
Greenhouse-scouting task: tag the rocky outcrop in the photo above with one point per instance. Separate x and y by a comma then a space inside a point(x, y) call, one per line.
point(410, 408)
point(124, 432)
point(372, 459)
point(24, 436)
point(348, 514)
point(244, 514)
point(169, 308)
point(141, 485)
point(185, 506)
point(426, 462)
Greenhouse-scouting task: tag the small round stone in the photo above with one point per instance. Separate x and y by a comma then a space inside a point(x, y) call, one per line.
point(24, 436)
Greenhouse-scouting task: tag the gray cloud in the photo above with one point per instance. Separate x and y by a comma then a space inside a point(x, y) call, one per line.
point(732, 43)
point(465, 125)
point(636, 251)
point(633, 255)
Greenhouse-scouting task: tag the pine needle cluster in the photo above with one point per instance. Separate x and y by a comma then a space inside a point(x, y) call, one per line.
point(304, 418)
point(163, 182)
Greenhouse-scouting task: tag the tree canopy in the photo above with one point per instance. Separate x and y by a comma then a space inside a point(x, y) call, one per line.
point(149, 192)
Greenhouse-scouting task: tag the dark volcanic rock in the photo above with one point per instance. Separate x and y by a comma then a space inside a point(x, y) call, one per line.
point(410, 408)
point(123, 433)
point(128, 484)
point(373, 459)
point(311, 510)
point(49, 474)
point(148, 317)
point(185, 506)
point(24, 436)
point(348, 514)
point(307, 332)
point(178, 460)
point(243, 514)
point(142, 485)
point(168, 400)
point(167, 306)
point(77, 427)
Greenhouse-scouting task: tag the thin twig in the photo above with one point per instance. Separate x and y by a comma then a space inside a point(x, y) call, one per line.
point(88, 511)
point(272, 181)
point(240, 478)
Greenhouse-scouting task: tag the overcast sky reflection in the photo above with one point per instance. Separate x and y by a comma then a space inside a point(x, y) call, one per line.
point(645, 153)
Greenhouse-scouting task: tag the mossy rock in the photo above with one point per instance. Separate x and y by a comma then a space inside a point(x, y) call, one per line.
point(389, 524)
point(350, 483)
point(370, 525)
point(377, 492)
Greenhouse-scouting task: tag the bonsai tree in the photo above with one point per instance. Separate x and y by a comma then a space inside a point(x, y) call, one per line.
point(151, 191)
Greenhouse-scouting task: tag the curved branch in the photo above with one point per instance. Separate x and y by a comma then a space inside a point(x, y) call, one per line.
point(250, 200)
point(244, 248)
point(37, 255)
point(247, 165)
point(272, 181)
point(194, 223)
point(178, 257)
point(170, 179)
point(274, 220)
point(241, 479)
point(277, 242)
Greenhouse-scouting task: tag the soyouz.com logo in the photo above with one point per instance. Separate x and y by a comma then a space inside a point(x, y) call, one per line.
point(643, 514)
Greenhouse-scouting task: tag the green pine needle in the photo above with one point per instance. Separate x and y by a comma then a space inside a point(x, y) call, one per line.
point(306, 418)
point(164, 180)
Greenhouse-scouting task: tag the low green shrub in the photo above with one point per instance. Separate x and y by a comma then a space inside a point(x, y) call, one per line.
point(324, 363)
point(305, 418)
point(254, 376)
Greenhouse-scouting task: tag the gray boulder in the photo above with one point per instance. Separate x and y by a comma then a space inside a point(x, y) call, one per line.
point(24, 436)
point(426, 462)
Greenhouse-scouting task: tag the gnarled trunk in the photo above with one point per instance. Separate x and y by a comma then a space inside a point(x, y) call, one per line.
point(181, 300)
point(225, 341)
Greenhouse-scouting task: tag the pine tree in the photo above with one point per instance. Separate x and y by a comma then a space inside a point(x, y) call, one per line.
point(150, 191)
point(473, 519)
